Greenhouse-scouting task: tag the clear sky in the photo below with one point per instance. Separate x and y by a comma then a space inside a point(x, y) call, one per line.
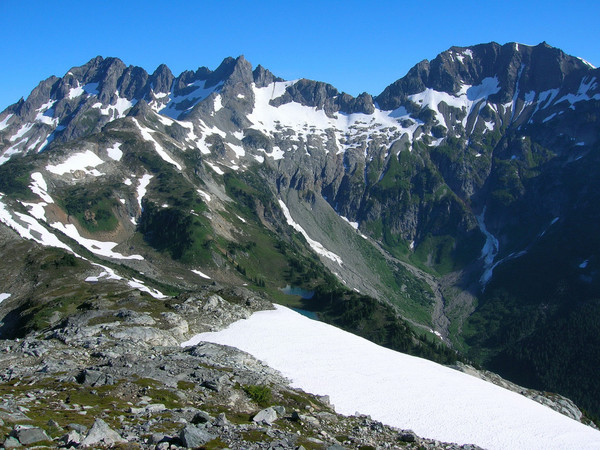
point(355, 45)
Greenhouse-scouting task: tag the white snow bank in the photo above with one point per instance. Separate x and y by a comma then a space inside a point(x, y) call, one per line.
point(203, 275)
point(115, 152)
point(400, 390)
point(39, 187)
point(102, 248)
point(215, 168)
point(142, 187)
point(139, 285)
point(29, 228)
point(78, 161)
point(489, 250)
point(4, 296)
point(110, 274)
point(352, 224)
point(147, 136)
point(4, 122)
point(316, 246)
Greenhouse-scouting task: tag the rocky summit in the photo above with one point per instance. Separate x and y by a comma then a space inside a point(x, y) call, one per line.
point(452, 216)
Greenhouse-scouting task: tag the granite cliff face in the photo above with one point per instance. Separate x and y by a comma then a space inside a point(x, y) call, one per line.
point(463, 196)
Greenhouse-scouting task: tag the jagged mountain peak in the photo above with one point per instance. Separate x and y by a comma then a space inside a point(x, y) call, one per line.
point(536, 68)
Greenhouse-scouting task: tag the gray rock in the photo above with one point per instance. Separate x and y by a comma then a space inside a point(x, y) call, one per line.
point(11, 442)
point(101, 433)
point(72, 438)
point(280, 410)
point(201, 417)
point(192, 436)
point(221, 420)
point(81, 429)
point(408, 436)
point(266, 416)
point(157, 438)
point(28, 435)
point(90, 377)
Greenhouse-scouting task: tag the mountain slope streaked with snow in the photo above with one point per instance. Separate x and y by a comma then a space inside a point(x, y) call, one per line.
point(398, 389)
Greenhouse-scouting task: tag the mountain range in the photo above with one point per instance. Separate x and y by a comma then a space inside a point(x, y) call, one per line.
point(452, 215)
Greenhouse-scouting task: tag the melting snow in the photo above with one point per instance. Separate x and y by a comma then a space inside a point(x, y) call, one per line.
point(78, 161)
point(4, 296)
point(141, 189)
point(4, 122)
point(204, 195)
point(115, 152)
point(110, 274)
point(299, 119)
point(102, 248)
point(117, 110)
point(22, 132)
point(215, 168)
point(203, 275)
point(177, 105)
point(276, 153)
point(29, 228)
point(587, 63)
point(137, 284)
point(146, 135)
point(587, 84)
point(352, 224)
point(489, 250)
point(397, 389)
point(75, 92)
point(37, 210)
point(39, 187)
point(316, 246)
point(46, 114)
point(466, 98)
point(218, 105)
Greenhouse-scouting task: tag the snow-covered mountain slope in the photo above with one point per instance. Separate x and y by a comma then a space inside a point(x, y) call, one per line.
point(397, 389)
point(462, 196)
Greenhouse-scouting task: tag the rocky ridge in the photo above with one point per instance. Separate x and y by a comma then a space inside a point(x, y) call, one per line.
point(113, 376)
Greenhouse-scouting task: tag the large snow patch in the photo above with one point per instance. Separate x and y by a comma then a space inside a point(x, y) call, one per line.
point(397, 389)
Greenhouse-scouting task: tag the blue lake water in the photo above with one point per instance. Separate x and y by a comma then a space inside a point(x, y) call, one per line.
point(310, 314)
point(295, 290)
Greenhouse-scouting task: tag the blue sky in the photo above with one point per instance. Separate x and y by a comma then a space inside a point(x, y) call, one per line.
point(354, 45)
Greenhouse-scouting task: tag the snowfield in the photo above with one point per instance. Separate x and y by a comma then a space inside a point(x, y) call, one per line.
point(399, 390)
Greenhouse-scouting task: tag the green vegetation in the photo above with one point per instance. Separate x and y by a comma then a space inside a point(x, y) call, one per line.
point(15, 178)
point(92, 206)
point(261, 395)
point(375, 321)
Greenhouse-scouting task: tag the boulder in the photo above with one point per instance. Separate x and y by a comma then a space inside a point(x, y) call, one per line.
point(201, 417)
point(90, 377)
point(193, 437)
point(28, 435)
point(101, 434)
point(266, 416)
point(12, 442)
point(221, 420)
point(71, 439)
